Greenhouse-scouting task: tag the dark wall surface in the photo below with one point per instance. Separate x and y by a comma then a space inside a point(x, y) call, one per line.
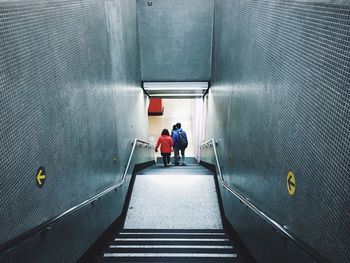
point(280, 102)
point(70, 101)
point(175, 39)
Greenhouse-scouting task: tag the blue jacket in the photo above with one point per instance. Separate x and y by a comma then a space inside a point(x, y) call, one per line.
point(176, 138)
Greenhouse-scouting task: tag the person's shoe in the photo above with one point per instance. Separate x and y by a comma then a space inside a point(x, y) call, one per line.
point(169, 164)
point(183, 164)
point(177, 164)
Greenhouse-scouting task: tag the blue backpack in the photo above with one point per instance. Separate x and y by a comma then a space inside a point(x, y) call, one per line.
point(182, 140)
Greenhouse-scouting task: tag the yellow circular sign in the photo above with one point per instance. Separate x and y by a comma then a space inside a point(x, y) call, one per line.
point(291, 183)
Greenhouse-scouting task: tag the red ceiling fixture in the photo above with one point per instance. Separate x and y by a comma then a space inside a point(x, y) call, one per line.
point(155, 107)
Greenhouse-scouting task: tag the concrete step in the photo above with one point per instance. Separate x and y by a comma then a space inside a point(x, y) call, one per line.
point(168, 245)
point(188, 160)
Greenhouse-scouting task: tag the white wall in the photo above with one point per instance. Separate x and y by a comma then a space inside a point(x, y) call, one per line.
point(185, 111)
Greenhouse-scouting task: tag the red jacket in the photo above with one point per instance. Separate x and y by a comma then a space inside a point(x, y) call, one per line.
point(165, 143)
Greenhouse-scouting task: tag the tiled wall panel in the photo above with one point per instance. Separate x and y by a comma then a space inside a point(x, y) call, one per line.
point(70, 101)
point(175, 39)
point(280, 102)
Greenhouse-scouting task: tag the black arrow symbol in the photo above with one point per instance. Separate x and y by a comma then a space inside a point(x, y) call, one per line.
point(290, 183)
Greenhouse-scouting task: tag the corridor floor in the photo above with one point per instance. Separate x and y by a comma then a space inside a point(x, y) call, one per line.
point(178, 197)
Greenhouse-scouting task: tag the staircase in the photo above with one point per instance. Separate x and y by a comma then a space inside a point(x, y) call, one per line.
point(173, 216)
point(163, 245)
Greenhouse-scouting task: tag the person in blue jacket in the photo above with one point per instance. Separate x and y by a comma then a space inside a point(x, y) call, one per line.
point(180, 144)
point(173, 130)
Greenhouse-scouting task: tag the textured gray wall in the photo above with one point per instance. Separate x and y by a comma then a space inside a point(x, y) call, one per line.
point(70, 101)
point(175, 39)
point(279, 102)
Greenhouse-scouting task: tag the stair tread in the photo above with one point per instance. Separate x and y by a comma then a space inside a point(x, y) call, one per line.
point(152, 242)
point(171, 259)
point(171, 246)
point(172, 250)
point(178, 235)
point(165, 254)
point(174, 230)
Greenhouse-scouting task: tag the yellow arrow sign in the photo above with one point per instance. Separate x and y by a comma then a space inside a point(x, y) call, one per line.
point(40, 176)
point(291, 184)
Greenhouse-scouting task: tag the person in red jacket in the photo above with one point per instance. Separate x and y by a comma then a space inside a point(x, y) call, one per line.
point(166, 144)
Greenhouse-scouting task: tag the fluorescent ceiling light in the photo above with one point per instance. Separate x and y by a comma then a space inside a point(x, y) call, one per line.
point(177, 95)
point(176, 89)
point(175, 85)
point(172, 88)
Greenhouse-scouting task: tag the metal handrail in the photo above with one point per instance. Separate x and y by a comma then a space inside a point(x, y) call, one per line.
point(49, 225)
point(278, 227)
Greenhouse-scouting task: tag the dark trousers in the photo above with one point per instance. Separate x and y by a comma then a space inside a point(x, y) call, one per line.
point(177, 155)
point(166, 158)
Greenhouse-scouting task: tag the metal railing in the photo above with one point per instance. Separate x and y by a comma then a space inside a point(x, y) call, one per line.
point(278, 227)
point(49, 225)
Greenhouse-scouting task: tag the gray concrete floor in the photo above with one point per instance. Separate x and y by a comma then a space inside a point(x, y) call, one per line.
point(174, 198)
